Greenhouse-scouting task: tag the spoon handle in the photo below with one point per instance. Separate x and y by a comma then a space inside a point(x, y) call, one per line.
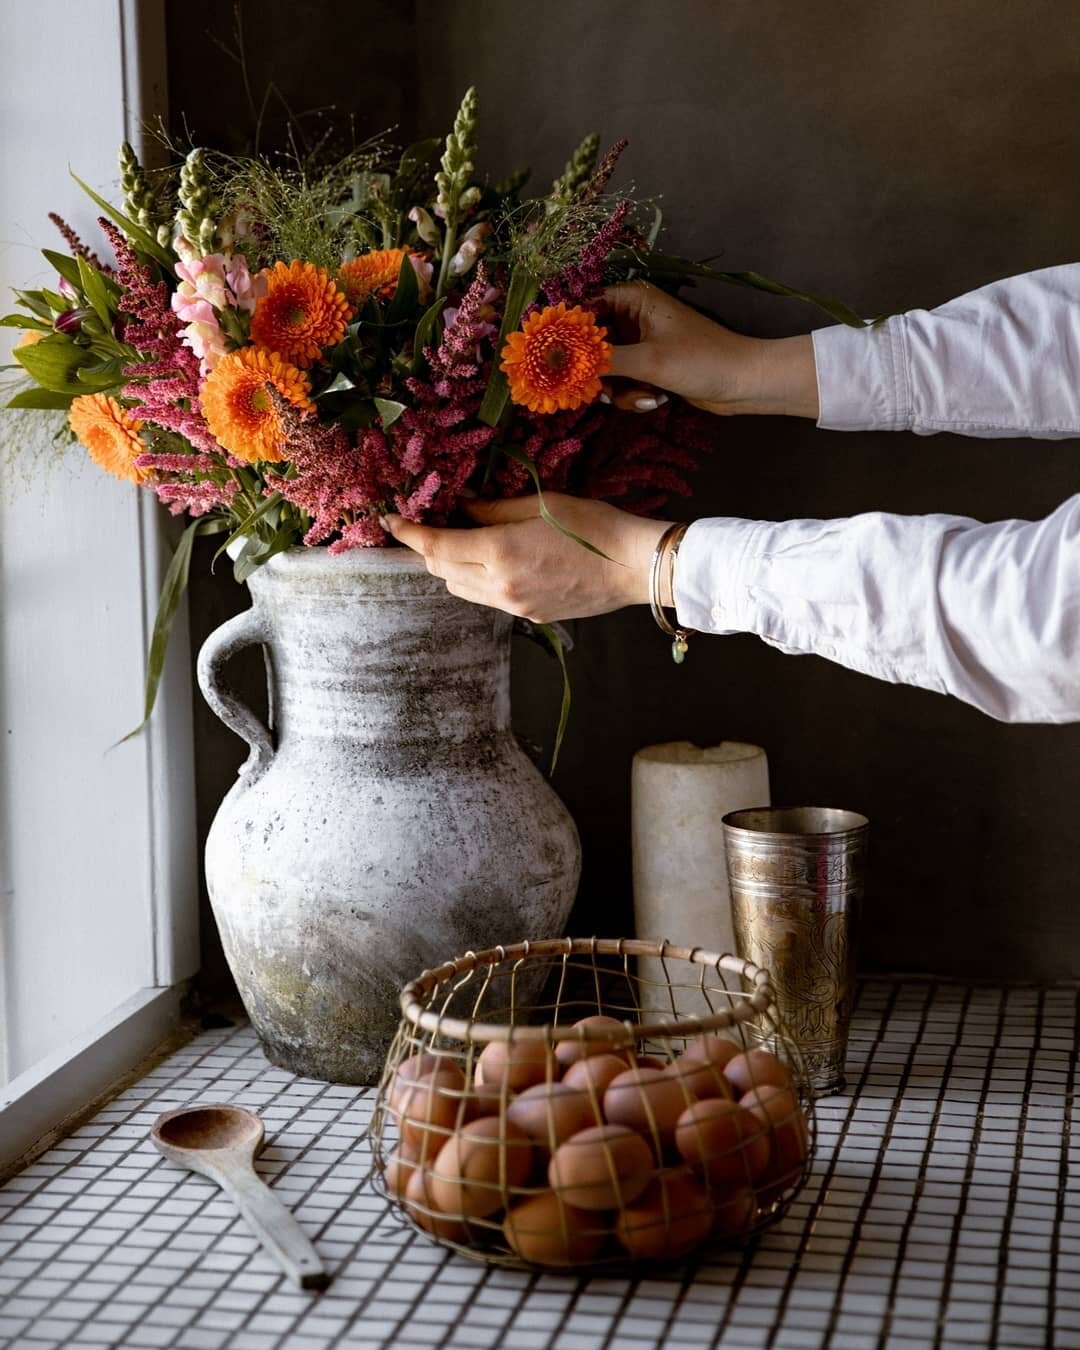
point(272, 1223)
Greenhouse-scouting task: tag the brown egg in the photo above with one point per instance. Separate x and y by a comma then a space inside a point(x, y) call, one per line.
point(420, 1206)
point(400, 1166)
point(516, 1064)
point(545, 1230)
point(570, 1052)
point(476, 1168)
point(432, 1107)
point(408, 1071)
point(601, 1168)
point(786, 1129)
point(650, 1062)
point(486, 1099)
point(699, 1079)
point(735, 1214)
point(725, 1143)
point(711, 1049)
point(552, 1112)
point(755, 1069)
point(647, 1100)
point(593, 1075)
point(672, 1217)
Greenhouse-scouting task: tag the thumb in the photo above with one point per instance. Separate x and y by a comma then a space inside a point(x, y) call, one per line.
point(635, 361)
point(486, 512)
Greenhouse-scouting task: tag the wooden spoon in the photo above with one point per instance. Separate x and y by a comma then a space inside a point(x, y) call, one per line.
point(221, 1142)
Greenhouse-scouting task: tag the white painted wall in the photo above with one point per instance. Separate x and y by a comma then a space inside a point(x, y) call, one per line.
point(96, 845)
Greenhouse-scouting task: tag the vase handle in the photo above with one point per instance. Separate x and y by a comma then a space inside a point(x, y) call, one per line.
point(241, 631)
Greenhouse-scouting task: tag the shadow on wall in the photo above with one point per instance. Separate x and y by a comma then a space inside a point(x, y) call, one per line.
point(893, 157)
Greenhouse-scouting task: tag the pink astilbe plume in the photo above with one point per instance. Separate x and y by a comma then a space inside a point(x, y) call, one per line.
point(165, 379)
point(197, 499)
point(78, 248)
point(337, 483)
point(579, 282)
point(599, 181)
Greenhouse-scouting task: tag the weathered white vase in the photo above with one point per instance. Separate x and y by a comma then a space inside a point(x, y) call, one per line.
point(387, 820)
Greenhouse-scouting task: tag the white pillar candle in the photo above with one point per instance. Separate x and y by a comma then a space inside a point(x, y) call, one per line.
point(680, 793)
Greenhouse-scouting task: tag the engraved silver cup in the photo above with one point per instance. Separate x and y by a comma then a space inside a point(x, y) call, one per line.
point(796, 876)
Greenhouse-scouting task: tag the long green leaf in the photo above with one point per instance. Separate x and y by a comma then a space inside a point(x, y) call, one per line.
point(40, 398)
point(425, 330)
point(67, 267)
point(145, 241)
point(56, 362)
point(665, 266)
point(406, 294)
point(555, 643)
point(264, 507)
point(93, 287)
point(25, 321)
point(512, 452)
point(172, 592)
point(521, 293)
point(34, 301)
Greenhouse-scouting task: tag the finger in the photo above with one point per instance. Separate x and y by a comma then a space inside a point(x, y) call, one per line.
point(457, 573)
point(502, 512)
point(433, 542)
point(627, 298)
point(636, 397)
point(634, 361)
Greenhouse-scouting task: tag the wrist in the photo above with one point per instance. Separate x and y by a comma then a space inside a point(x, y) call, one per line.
point(647, 535)
point(782, 377)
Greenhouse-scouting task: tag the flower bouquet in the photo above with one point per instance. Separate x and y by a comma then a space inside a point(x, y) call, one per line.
point(286, 351)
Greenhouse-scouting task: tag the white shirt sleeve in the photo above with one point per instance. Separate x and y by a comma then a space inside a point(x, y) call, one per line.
point(987, 612)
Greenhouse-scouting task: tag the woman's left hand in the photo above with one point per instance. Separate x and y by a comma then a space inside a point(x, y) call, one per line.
point(522, 565)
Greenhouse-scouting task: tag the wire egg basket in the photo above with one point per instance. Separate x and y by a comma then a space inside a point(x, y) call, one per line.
point(591, 1103)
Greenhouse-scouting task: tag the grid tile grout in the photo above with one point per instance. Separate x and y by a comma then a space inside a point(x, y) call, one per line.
point(958, 1124)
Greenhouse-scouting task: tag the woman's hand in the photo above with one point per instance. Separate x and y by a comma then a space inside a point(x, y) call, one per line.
point(524, 566)
point(667, 345)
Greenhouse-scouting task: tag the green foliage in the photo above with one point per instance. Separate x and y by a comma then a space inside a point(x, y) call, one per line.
point(579, 169)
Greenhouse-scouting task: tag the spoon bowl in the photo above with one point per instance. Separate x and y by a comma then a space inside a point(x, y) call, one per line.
point(198, 1128)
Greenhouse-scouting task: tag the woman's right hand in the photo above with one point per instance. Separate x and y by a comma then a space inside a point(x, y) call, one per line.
point(662, 344)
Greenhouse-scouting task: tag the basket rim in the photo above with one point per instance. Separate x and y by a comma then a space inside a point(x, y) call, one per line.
point(749, 1006)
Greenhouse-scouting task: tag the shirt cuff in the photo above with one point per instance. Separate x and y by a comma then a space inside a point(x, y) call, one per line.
point(707, 591)
point(862, 377)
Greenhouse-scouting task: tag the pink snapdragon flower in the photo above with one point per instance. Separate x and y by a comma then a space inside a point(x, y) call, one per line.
point(424, 272)
point(245, 290)
point(208, 286)
point(470, 248)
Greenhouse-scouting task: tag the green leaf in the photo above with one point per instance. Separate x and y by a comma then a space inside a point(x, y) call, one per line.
point(555, 642)
point(67, 267)
point(389, 411)
point(407, 294)
point(172, 592)
point(258, 551)
point(40, 398)
point(55, 301)
point(24, 321)
point(35, 302)
point(664, 266)
point(337, 385)
point(415, 158)
point(266, 505)
point(523, 290)
point(425, 330)
point(93, 287)
point(135, 233)
point(55, 364)
point(522, 458)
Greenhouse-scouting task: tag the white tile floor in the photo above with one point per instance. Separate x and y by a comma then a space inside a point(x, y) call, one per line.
point(943, 1210)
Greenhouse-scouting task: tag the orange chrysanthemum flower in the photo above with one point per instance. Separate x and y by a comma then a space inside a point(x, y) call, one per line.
point(301, 313)
point(31, 336)
point(238, 408)
point(111, 435)
point(556, 359)
point(372, 274)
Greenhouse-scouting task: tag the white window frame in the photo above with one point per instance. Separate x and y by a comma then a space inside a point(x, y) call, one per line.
point(61, 1086)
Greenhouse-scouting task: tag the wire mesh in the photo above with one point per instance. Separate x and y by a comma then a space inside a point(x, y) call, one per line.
point(591, 1103)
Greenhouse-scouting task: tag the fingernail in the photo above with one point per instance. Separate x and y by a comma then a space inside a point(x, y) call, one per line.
point(661, 399)
point(646, 404)
point(384, 521)
point(605, 398)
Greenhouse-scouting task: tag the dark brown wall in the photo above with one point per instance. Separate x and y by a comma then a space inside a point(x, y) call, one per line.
point(893, 156)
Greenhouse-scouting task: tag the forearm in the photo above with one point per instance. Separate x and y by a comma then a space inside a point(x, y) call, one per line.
point(987, 613)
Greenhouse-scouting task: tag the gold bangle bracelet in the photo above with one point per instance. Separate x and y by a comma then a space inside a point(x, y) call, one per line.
point(668, 546)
